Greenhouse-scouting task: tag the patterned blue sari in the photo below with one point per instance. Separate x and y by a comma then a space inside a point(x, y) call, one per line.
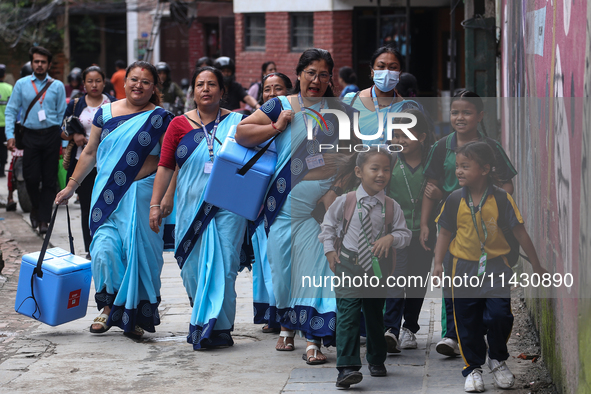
point(126, 253)
point(208, 242)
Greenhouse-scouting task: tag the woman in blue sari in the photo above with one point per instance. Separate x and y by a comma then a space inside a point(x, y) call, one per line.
point(293, 248)
point(208, 240)
point(382, 97)
point(265, 310)
point(127, 258)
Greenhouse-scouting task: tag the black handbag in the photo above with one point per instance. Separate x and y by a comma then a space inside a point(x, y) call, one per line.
point(18, 126)
point(73, 124)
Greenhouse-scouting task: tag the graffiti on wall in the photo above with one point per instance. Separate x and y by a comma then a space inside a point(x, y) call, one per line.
point(543, 134)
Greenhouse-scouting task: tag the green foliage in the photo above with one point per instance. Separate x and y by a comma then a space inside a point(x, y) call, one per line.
point(87, 34)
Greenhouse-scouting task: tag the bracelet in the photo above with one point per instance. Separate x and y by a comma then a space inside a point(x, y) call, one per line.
point(273, 124)
point(155, 205)
point(74, 179)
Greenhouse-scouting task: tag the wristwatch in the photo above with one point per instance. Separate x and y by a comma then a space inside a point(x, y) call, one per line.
point(336, 189)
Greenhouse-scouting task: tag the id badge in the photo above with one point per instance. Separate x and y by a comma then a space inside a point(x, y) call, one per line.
point(482, 265)
point(315, 161)
point(41, 115)
point(208, 166)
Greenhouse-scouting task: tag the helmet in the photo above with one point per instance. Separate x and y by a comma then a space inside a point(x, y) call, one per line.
point(75, 74)
point(26, 69)
point(185, 83)
point(204, 60)
point(163, 67)
point(225, 62)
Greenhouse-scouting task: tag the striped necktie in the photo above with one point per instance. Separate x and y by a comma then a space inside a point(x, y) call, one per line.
point(364, 250)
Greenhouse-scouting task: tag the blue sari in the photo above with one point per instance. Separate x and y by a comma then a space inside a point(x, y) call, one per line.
point(126, 253)
point(208, 242)
point(293, 248)
point(265, 310)
point(368, 120)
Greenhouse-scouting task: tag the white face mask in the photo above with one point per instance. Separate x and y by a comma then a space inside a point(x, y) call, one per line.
point(386, 80)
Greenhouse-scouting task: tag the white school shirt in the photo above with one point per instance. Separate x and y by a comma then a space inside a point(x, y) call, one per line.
point(332, 225)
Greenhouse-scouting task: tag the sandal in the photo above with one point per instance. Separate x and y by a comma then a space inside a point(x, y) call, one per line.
point(136, 334)
point(10, 206)
point(307, 359)
point(287, 347)
point(102, 320)
point(267, 330)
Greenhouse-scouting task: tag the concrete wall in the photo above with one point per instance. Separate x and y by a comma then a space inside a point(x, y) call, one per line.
point(546, 55)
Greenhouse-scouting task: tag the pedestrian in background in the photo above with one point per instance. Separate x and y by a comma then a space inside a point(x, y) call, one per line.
point(5, 92)
point(85, 108)
point(256, 88)
point(173, 98)
point(41, 133)
point(118, 79)
point(347, 79)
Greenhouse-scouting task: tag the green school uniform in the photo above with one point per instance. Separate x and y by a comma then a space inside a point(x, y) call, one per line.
point(399, 191)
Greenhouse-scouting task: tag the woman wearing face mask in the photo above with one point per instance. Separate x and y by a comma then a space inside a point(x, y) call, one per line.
point(386, 66)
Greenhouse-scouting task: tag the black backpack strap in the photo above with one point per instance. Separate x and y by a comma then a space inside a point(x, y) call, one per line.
point(453, 204)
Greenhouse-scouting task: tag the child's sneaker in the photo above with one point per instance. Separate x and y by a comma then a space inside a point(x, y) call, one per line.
point(474, 383)
point(448, 347)
point(502, 376)
point(407, 339)
point(392, 345)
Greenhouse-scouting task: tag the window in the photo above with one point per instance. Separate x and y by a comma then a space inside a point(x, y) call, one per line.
point(254, 32)
point(302, 32)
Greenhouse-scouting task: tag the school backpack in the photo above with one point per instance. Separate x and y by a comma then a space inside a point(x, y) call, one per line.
point(453, 203)
point(349, 209)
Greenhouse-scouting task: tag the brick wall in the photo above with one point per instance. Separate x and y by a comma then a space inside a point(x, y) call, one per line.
point(332, 31)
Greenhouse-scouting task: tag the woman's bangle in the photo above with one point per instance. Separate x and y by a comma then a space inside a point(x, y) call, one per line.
point(273, 124)
point(74, 179)
point(155, 205)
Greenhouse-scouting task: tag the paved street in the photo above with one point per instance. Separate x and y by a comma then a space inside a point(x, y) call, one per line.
point(38, 358)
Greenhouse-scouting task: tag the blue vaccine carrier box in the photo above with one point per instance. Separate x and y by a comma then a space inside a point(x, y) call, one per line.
point(241, 194)
point(61, 295)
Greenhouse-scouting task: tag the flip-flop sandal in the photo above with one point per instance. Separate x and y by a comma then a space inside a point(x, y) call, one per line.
point(136, 334)
point(102, 320)
point(307, 359)
point(268, 330)
point(289, 347)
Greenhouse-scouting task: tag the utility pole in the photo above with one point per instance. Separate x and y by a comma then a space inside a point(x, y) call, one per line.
point(155, 31)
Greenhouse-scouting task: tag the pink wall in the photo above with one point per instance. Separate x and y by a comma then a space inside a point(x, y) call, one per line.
point(543, 57)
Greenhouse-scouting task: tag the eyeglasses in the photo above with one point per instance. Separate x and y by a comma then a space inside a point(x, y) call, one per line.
point(311, 76)
point(145, 83)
